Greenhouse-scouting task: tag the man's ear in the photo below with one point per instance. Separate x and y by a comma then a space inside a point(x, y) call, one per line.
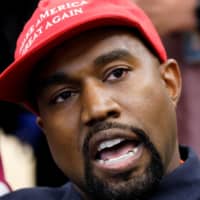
point(40, 123)
point(171, 77)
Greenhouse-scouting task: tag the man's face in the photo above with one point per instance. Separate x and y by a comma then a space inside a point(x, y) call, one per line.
point(107, 108)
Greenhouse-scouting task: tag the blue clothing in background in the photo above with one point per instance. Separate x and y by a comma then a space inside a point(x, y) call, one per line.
point(27, 129)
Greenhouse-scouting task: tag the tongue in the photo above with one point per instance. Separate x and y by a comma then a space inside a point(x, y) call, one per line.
point(116, 151)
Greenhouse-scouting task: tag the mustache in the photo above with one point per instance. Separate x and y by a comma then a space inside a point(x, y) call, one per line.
point(98, 187)
point(102, 126)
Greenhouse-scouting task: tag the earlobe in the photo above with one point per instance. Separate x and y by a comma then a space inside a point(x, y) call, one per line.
point(171, 77)
point(40, 123)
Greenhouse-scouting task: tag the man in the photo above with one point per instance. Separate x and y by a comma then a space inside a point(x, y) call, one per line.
point(97, 76)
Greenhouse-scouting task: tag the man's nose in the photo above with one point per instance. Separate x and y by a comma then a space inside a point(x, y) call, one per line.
point(98, 104)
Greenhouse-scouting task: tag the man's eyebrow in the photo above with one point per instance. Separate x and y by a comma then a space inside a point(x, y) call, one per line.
point(112, 56)
point(57, 78)
point(61, 78)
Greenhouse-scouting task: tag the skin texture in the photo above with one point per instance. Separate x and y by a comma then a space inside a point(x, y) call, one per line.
point(79, 89)
point(170, 15)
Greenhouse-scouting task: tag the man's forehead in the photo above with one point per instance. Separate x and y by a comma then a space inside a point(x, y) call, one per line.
point(93, 43)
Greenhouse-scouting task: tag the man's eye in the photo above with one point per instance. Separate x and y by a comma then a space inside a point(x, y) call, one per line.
point(63, 96)
point(117, 74)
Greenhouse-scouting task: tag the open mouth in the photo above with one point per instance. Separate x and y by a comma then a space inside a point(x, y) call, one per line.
point(117, 153)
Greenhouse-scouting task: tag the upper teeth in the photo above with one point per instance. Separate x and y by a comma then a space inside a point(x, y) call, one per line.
point(109, 143)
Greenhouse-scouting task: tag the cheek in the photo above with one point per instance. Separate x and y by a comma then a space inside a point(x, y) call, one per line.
point(161, 126)
point(148, 106)
point(63, 138)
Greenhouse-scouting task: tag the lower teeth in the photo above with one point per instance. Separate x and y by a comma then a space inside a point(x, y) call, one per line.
point(120, 158)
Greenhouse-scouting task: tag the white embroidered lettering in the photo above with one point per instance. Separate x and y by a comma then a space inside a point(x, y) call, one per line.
point(72, 9)
point(48, 24)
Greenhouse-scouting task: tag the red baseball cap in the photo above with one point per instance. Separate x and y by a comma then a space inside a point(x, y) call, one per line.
point(57, 20)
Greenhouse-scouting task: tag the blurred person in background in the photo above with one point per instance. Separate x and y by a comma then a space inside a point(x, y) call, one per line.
point(171, 16)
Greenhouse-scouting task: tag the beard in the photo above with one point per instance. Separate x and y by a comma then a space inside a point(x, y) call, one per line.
point(125, 186)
